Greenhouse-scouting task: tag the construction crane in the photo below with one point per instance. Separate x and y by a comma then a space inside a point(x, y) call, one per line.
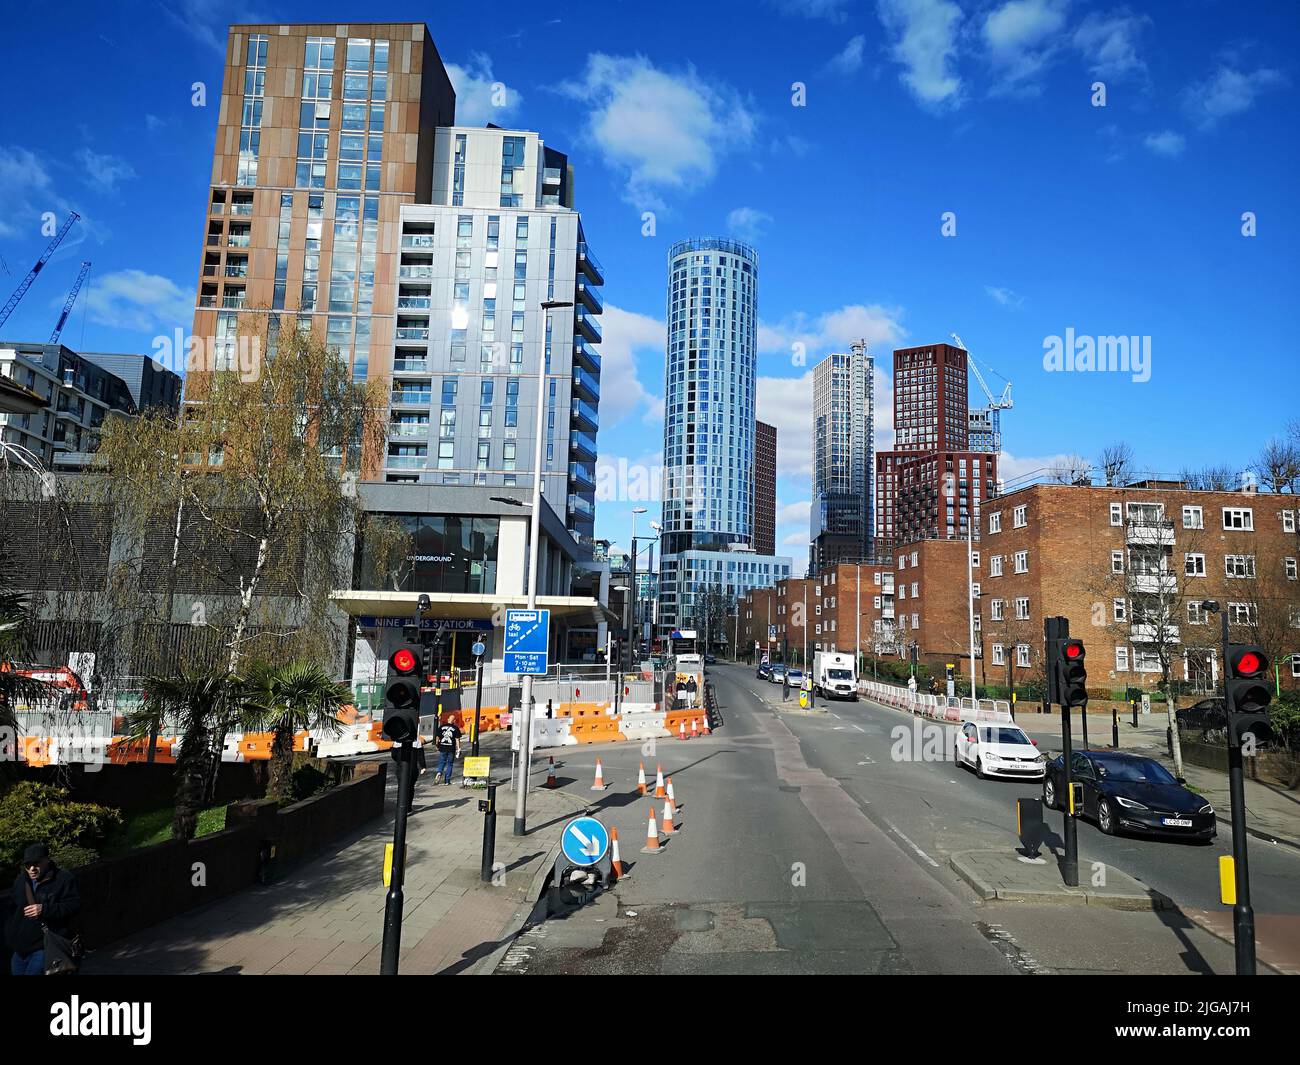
point(72, 298)
point(21, 290)
point(992, 414)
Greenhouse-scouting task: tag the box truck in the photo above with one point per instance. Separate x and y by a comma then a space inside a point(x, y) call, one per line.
point(834, 675)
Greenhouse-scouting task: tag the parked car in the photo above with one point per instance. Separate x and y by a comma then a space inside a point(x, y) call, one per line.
point(1204, 716)
point(764, 670)
point(998, 750)
point(796, 677)
point(776, 674)
point(1128, 792)
point(710, 660)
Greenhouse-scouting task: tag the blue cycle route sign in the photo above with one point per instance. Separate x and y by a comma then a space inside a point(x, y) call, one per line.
point(528, 635)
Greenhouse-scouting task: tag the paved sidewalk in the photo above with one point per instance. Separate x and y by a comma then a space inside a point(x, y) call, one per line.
point(1005, 876)
point(326, 916)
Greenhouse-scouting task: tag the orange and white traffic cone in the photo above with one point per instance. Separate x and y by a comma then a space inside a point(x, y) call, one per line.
point(670, 815)
point(659, 782)
point(616, 862)
point(599, 783)
point(681, 730)
point(651, 836)
point(640, 779)
point(671, 797)
point(704, 724)
point(695, 728)
point(551, 782)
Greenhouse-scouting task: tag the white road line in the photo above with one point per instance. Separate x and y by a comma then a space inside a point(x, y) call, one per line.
point(859, 728)
point(912, 845)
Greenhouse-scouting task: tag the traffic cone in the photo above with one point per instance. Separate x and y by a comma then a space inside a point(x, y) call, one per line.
point(551, 782)
point(704, 722)
point(651, 836)
point(671, 797)
point(681, 730)
point(640, 779)
point(599, 783)
point(616, 862)
point(670, 815)
point(659, 782)
point(695, 728)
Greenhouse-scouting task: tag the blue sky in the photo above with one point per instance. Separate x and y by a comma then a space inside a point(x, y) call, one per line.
point(1122, 219)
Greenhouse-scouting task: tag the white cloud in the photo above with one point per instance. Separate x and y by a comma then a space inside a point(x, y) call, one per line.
point(830, 10)
point(796, 539)
point(849, 59)
point(133, 299)
point(665, 131)
point(104, 172)
point(748, 223)
point(1109, 43)
point(480, 97)
point(1228, 92)
point(1011, 468)
point(1166, 142)
point(1021, 38)
point(1005, 296)
point(924, 42)
point(876, 324)
point(786, 402)
point(625, 333)
point(204, 20)
point(26, 191)
point(794, 513)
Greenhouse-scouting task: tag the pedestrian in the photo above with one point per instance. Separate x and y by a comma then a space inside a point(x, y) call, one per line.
point(550, 710)
point(692, 689)
point(448, 747)
point(45, 902)
point(681, 690)
point(421, 762)
point(785, 685)
point(911, 683)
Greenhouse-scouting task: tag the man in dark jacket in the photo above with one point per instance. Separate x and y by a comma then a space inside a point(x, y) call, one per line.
point(54, 902)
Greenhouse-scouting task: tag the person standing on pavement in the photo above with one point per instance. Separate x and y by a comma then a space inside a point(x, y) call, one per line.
point(44, 897)
point(785, 685)
point(911, 684)
point(448, 747)
point(692, 689)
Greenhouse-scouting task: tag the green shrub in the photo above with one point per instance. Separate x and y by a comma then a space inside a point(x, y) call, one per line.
point(41, 813)
point(70, 856)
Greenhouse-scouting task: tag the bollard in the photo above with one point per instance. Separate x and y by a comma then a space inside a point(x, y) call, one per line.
point(488, 807)
point(1114, 726)
point(1133, 703)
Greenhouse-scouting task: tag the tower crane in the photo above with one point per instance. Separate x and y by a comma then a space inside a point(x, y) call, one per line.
point(72, 298)
point(21, 290)
point(992, 412)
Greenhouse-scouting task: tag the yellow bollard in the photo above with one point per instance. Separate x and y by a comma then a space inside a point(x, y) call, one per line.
point(1227, 880)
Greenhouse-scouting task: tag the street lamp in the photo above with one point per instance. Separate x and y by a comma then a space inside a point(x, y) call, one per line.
point(535, 524)
point(629, 627)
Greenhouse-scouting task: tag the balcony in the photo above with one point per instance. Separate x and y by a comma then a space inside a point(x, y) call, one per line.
point(590, 297)
point(586, 325)
point(1154, 583)
point(414, 303)
point(1150, 533)
point(241, 208)
point(233, 300)
point(408, 272)
point(411, 366)
point(587, 357)
point(238, 240)
point(407, 430)
point(411, 333)
point(551, 176)
point(410, 397)
point(579, 505)
point(585, 415)
point(589, 264)
point(417, 240)
point(406, 462)
point(582, 444)
point(580, 473)
point(586, 385)
point(1148, 632)
point(235, 270)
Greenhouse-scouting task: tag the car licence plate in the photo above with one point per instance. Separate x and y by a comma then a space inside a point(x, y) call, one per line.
point(1176, 822)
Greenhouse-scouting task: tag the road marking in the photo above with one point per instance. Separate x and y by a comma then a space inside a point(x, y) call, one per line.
point(859, 728)
point(914, 847)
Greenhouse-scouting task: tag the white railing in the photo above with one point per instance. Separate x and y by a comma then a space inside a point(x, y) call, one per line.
point(938, 707)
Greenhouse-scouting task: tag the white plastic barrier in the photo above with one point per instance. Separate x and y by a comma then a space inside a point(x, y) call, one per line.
point(547, 732)
point(937, 707)
point(643, 724)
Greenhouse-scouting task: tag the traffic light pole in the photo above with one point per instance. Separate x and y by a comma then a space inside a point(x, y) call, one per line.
point(392, 944)
point(1055, 632)
point(1243, 916)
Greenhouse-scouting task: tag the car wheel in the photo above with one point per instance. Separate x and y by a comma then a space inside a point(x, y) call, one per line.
point(979, 769)
point(956, 754)
point(1049, 793)
point(1105, 817)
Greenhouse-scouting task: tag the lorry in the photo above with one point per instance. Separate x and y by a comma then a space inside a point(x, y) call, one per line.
point(835, 675)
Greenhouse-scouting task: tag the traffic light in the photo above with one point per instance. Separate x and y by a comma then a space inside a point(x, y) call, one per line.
point(1248, 691)
point(402, 696)
point(1072, 675)
point(426, 661)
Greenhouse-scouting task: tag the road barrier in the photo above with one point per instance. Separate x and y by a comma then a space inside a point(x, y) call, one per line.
point(937, 707)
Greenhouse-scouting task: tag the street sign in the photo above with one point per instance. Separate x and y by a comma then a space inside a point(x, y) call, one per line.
point(478, 649)
point(475, 767)
point(585, 841)
point(771, 632)
point(527, 641)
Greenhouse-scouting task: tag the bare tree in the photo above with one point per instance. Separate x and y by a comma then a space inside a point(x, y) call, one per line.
point(1070, 469)
point(1116, 464)
point(1211, 479)
point(1278, 466)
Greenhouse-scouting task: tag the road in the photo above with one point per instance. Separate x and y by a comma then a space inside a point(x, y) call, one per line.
point(819, 843)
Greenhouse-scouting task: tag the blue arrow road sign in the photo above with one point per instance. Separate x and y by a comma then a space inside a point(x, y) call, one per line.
point(528, 635)
point(585, 841)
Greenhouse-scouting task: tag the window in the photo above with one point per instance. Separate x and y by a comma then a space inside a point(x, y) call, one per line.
point(995, 522)
point(974, 558)
point(1121, 659)
point(1193, 518)
point(995, 565)
point(1294, 618)
point(877, 576)
point(1022, 655)
point(915, 587)
point(902, 591)
point(975, 590)
point(995, 610)
point(1022, 608)
point(1288, 521)
point(1195, 614)
point(999, 655)
point(1194, 565)
point(1290, 569)
point(1242, 613)
point(1146, 661)
point(1117, 562)
point(916, 621)
point(1022, 561)
point(1239, 565)
point(1116, 514)
point(1295, 667)
point(1019, 516)
point(1239, 518)
point(1120, 608)
point(914, 562)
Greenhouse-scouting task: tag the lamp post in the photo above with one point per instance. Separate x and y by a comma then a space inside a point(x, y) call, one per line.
point(535, 524)
point(629, 629)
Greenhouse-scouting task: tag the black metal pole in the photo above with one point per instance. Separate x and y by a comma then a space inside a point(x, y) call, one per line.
point(629, 637)
point(489, 835)
point(392, 943)
point(1083, 720)
point(1070, 866)
point(478, 699)
point(1243, 916)
point(1114, 727)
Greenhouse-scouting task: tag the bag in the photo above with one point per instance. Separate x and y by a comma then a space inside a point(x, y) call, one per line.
point(62, 954)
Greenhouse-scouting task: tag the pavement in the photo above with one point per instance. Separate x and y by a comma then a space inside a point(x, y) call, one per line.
point(325, 917)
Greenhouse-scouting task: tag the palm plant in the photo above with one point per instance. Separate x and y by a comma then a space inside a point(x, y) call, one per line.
point(197, 702)
point(285, 700)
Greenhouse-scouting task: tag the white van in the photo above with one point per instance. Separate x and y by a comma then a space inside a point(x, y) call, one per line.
point(834, 675)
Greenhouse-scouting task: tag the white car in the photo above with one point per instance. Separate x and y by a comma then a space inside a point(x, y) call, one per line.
point(999, 750)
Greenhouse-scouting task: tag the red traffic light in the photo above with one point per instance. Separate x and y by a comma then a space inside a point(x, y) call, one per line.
point(1073, 648)
point(403, 660)
point(1248, 663)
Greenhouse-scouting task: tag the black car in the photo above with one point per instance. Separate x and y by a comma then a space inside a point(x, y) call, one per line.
point(710, 660)
point(1207, 715)
point(1127, 792)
